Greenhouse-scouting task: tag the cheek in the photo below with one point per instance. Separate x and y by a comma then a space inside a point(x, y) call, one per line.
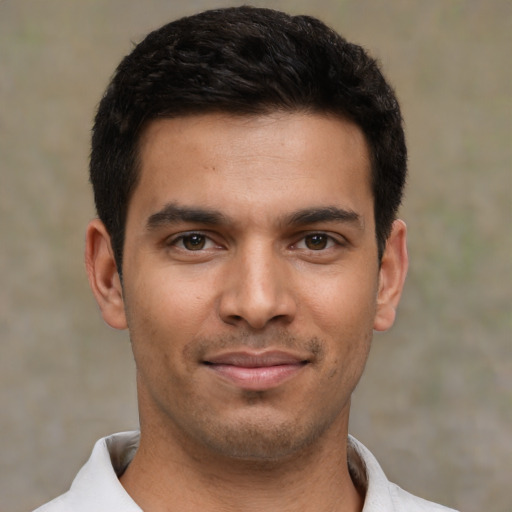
point(166, 312)
point(160, 327)
point(167, 302)
point(343, 305)
point(343, 311)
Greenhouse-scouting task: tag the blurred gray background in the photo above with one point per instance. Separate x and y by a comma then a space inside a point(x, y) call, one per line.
point(435, 404)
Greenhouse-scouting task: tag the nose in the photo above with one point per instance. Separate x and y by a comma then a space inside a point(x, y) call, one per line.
point(257, 290)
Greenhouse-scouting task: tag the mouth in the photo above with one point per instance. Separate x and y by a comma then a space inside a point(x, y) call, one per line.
point(256, 371)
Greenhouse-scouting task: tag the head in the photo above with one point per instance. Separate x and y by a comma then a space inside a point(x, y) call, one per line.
point(247, 168)
point(243, 61)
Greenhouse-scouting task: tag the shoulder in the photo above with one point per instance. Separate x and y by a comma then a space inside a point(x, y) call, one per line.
point(96, 486)
point(406, 502)
point(60, 504)
point(381, 494)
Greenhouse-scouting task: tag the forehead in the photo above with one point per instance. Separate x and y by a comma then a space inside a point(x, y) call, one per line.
point(268, 159)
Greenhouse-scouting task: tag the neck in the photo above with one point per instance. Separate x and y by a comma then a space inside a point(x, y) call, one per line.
point(166, 475)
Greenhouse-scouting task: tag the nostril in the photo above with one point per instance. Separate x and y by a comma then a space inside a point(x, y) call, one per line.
point(232, 319)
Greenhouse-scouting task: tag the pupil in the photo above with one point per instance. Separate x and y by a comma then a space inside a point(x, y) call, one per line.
point(316, 242)
point(194, 242)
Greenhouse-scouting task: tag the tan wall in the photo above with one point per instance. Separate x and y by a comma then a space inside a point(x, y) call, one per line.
point(436, 402)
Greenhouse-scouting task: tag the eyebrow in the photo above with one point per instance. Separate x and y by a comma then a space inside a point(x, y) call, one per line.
point(325, 214)
point(173, 213)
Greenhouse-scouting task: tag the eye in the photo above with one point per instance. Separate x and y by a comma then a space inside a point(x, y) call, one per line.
point(193, 242)
point(316, 242)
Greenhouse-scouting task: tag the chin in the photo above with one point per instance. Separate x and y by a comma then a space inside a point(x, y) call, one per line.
point(262, 442)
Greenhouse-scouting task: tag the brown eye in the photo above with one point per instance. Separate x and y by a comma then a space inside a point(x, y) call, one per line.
point(316, 242)
point(194, 242)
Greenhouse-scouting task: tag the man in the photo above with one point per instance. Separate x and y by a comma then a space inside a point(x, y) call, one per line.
point(247, 168)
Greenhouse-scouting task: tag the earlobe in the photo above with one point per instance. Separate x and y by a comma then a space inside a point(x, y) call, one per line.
point(392, 274)
point(103, 275)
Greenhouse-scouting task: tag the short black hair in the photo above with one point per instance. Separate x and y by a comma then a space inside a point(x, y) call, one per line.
point(243, 61)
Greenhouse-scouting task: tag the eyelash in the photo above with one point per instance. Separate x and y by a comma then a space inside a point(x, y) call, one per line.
point(330, 241)
point(175, 241)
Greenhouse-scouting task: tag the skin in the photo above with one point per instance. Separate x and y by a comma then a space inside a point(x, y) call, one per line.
point(254, 236)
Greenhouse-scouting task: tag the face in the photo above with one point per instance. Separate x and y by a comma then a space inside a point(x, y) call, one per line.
point(251, 283)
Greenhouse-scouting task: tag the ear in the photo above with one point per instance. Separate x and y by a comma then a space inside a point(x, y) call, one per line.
point(393, 270)
point(103, 275)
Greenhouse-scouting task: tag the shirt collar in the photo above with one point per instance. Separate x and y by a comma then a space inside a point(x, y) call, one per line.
point(111, 455)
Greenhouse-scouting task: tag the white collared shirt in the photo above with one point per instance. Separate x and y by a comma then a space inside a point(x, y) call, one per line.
point(96, 487)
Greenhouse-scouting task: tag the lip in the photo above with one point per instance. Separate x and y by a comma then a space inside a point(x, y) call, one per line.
point(256, 371)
